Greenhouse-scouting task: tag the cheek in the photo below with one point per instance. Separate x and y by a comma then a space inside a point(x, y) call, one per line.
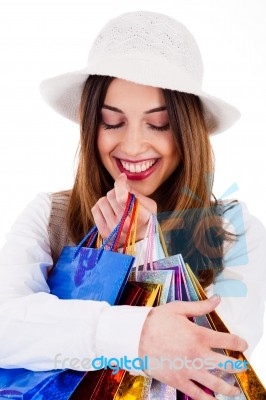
point(172, 153)
point(100, 143)
point(169, 147)
point(106, 141)
point(104, 144)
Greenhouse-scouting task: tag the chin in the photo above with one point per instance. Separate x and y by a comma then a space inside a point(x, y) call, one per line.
point(142, 188)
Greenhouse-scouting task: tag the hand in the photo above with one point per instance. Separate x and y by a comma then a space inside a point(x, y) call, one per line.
point(168, 334)
point(108, 210)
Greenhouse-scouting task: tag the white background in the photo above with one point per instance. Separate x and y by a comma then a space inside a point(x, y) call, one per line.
point(42, 38)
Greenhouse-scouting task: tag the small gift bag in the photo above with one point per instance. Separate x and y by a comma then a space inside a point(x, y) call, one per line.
point(93, 273)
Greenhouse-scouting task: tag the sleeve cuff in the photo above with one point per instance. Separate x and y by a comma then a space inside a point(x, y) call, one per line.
point(118, 335)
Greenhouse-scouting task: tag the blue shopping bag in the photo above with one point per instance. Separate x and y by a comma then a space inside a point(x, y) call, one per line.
point(18, 384)
point(80, 273)
point(93, 274)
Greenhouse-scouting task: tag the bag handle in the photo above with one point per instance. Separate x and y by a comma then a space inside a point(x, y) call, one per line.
point(130, 241)
point(153, 237)
point(114, 235)
point(89, 236)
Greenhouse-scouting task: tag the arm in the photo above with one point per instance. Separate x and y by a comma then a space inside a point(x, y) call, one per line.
point(40, 331)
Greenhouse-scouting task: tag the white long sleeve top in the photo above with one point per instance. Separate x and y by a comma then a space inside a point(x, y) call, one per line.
point(38, 329)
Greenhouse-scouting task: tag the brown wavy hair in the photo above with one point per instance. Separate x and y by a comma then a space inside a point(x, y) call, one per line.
point(184, 198)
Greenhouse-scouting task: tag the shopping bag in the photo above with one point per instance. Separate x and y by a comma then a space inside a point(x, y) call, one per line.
point(248, 381)
point(188, 288)
point(166, 278)
point(80, 273)
point(104, 384)
point(93, 274)
point(22, 384)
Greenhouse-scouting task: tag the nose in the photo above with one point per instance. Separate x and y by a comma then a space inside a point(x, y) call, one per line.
point(133, 143)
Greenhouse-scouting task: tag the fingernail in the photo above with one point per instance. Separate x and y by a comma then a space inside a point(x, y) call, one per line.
point(214, 298)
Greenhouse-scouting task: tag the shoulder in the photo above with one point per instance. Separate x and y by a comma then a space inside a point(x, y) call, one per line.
point(60, 197)
point(36, 212)
point(58, 208)
point(58, 205)
point(36, 215)
point(58, 231)
point(28, 241)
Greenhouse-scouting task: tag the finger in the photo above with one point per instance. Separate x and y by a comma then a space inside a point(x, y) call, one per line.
point(215, 383)
point(121, 189)
point(229, 341)
point(100, 221)
point(196, 308)
point(143, 217)
point(229, 364)
point(194, 391)
point(104, 216)
point(117, 208)
point(108, 213)
point(146, 202)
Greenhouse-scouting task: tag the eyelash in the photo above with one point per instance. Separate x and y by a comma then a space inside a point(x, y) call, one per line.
point(160, 128)
point(106, 126)
point(152, 127)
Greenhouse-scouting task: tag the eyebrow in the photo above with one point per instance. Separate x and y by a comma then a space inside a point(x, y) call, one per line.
point(115, 109)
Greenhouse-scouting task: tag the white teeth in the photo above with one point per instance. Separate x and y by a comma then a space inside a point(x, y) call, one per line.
point(132, 168)
point(138, 167)
point(143, 167)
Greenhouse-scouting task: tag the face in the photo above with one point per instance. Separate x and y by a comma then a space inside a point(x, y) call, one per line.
point(135, 137)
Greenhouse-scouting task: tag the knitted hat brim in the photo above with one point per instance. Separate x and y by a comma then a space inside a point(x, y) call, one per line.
point(63, 94)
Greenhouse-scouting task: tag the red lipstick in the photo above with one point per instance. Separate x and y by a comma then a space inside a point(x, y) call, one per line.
point(137, 176)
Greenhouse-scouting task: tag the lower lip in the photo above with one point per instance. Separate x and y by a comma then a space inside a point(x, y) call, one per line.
point(137, 176)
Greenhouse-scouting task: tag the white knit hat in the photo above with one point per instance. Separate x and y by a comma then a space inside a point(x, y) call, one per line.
point(146, 48)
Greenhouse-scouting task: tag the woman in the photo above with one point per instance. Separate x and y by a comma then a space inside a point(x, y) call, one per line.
point(135, 137)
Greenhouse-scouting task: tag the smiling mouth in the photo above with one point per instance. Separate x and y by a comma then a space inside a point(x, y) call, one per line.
point(137, 167)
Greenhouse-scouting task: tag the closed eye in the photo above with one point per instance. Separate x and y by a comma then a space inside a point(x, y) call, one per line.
point(160, 128)
point(152, 127)
point(108, 126)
